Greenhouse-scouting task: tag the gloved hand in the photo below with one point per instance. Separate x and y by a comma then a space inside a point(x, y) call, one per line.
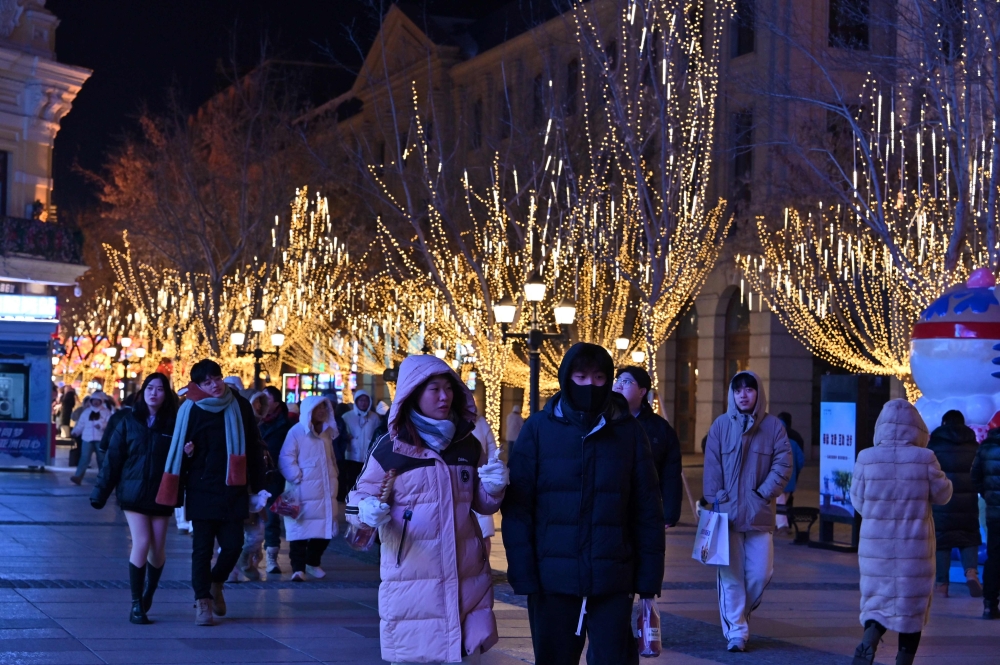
point(494, 476)
point(373, 512)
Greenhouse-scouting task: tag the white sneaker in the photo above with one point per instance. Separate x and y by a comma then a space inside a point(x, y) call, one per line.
point(298, 576)
point(316, 572)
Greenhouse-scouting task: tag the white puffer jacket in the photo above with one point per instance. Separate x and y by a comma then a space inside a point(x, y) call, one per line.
point(895, 482)
point(93, 429)
point(308, 464)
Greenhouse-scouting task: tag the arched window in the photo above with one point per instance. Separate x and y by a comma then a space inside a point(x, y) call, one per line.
point(737, 349)
point(686, 378)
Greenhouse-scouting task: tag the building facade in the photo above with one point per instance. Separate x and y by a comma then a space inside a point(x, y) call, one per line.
point(482, 80)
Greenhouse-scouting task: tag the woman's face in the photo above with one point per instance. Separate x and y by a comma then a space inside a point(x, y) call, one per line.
point(154, 394)
point(436, 398)
point(97, 402)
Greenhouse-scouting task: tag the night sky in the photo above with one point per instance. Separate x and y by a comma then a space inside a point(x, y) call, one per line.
point(138, 50)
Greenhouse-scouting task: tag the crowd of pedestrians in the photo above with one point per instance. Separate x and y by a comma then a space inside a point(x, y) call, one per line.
point(594, 480)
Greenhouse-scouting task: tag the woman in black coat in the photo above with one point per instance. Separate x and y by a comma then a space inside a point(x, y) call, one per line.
point(956, 524)
point(133, 467)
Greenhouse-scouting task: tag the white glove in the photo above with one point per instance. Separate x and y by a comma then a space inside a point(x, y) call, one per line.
point(259, 500)
point(494, 476)
point(373, 512)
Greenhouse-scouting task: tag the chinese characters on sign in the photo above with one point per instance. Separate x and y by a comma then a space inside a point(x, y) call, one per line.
point(23, 442)
point(837, 451)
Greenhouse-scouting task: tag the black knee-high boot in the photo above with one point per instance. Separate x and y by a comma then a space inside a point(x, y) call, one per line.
point(865, 653)
point(136, 579)
point(152, 580)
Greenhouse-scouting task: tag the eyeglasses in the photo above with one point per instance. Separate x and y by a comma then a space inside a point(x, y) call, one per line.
point(624, 383)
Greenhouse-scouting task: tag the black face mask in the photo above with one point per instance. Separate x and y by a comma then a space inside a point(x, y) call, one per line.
point(587, 398)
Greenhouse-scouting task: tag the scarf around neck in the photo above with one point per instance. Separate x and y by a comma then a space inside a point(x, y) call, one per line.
point(235, 436)
point(437, 434)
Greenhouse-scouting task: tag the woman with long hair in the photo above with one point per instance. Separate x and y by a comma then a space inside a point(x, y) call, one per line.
point(133, 467)
point(419, 487)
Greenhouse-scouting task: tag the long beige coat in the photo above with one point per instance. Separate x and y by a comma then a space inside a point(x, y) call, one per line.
point(895, 482)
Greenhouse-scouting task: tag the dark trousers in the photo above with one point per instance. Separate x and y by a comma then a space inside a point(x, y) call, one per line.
point(553, 618)
point(991, 569)
point(349, 472)
point(229, 533)
point(272, 528)
point(306, 552)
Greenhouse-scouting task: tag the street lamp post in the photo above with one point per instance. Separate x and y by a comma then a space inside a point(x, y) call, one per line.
point(238, 338)
point(565, 314)
point(125, 359)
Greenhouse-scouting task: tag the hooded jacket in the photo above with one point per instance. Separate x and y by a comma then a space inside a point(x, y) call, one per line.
point(308, 464)
point(435, 601)
point(748, 462)
point(583, 514)
point(956, 524)
point(361, 426)
point(136, 457)
point(93, 429)
point(894, 484)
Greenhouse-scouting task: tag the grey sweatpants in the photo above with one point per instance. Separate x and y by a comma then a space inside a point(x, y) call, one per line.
point(741, 584)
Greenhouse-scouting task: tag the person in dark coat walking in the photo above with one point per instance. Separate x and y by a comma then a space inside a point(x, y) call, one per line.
point(273, 430)
point(133, 468)
point(956, 524)
point(583, 518)
point(217, 432)
point(986, 479)
point(634, 384)
point(66, 406)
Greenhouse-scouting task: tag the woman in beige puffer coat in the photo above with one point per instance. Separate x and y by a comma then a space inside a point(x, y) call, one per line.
point(895, 482)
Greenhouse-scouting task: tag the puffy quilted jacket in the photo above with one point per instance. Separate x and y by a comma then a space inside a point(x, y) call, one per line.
point(134, 465)
point(435, 601)
point(986, 475)
point(957, 522)
point(583, 514)
point(308, 464)
point(894, 484)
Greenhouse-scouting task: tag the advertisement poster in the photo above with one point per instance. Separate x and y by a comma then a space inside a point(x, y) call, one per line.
point(23, 444)
point(837, 451)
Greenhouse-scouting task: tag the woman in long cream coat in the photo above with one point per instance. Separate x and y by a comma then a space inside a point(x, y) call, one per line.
point(895, 482)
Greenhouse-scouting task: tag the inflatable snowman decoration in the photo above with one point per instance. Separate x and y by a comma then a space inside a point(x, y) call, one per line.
point(955, 354)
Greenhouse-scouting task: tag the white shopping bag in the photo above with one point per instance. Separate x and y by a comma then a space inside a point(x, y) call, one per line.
point(711, 542)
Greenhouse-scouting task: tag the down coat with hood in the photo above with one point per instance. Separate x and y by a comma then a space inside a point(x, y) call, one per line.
point(895, 482)
point(309, 466)
point(436, 597)
point(748, 462)
point(986, 476)
point(88, 427)
point(957, 522)
point(361, 426)
point(583, 514)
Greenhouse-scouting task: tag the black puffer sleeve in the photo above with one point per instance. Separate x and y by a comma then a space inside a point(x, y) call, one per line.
point(646, 514)
point(518, 512)
point(114, 461)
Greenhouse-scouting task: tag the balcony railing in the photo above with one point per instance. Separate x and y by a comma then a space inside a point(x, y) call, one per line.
point(33, 238)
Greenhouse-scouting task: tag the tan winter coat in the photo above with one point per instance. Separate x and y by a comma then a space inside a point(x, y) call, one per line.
point(748, 462)
point(895, 482)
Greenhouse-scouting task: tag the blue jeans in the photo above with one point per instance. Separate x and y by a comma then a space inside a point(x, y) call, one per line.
point(86, 449)
point(970, 559)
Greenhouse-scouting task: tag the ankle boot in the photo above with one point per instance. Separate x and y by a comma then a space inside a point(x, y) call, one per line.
point(152, 581)
point(972, 580)
point(136, 578)
point(991, 609)
point(272, 561)
point(865, 653)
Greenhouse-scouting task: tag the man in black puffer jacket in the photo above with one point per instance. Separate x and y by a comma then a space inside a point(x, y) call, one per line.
point(583, 518)
point(956, 524)
point(986, 478)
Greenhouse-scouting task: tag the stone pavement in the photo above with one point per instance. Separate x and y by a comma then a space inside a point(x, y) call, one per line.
point(64, 599)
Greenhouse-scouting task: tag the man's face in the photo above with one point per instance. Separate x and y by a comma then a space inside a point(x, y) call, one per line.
point(589, 377)
point(746, 398)
point(214, 386)
point(630, 390)
point(363, 403)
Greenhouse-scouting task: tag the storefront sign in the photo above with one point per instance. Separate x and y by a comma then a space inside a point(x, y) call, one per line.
point(23, 444)
point(837, 452)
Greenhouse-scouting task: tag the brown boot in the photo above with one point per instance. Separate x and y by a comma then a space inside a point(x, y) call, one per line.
point(203, 616)
point(218, 600)
point(941, 590)
point(972, 579)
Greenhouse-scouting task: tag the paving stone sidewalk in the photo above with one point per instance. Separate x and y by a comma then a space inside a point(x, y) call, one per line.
point(64, 599)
